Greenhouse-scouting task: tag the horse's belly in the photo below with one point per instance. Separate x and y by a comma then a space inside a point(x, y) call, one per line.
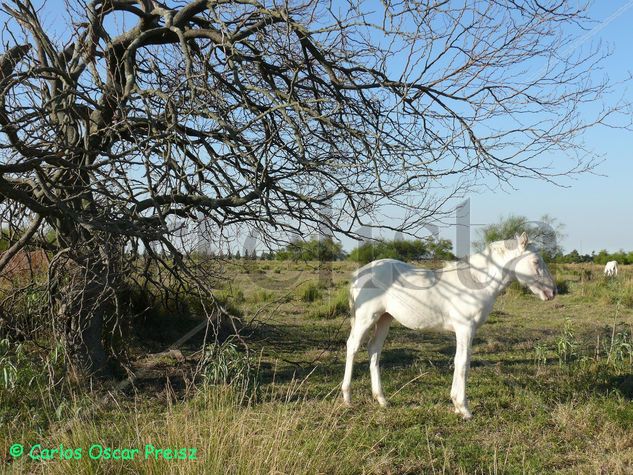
point(416, 317)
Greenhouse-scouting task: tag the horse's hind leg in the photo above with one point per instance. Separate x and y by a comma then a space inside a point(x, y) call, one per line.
point(374, 348)
point(360, 326)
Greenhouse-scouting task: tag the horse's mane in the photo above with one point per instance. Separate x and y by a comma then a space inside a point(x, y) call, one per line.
point(497, 248)
point(501, 247)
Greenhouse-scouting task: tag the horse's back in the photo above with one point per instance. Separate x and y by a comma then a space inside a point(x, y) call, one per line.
point(383, 274)
point(400, 289)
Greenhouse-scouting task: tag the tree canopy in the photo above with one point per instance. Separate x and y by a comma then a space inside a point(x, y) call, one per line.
point(546, 233)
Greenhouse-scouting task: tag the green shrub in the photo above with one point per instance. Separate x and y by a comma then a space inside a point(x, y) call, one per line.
point(233, 295)
point(27, 375)
point(562, 286)
point(224, 363)
point(263, 296)
point(337, 305)
point(310, 293)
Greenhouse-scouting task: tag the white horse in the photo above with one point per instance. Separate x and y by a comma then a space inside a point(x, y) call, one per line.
point(611, 269)
point(457, 298)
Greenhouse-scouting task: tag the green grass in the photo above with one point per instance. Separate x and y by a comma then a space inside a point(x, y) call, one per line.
point(550, 389)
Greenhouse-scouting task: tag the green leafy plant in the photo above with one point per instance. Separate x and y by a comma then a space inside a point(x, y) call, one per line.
point(620, 348)
point(566, 344)
point(225, 364)
point(8, 364)
point(540, 354)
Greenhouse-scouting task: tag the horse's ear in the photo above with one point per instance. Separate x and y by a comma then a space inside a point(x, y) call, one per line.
point(522, 240)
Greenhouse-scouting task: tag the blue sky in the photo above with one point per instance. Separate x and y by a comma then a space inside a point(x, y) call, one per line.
point(597, 210)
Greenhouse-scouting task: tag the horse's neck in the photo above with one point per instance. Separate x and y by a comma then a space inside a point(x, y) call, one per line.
point(491, 271)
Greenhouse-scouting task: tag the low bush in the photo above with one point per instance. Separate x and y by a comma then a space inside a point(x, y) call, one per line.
point(336, 304)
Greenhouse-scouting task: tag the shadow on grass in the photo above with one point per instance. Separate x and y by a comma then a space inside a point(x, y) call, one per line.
point(622, 383)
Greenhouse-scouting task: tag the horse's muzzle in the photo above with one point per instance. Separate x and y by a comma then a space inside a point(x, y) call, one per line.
point(548, 294)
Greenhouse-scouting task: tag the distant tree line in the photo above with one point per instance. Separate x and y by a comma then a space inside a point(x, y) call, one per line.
point(601, 257)
point(327, 249)
point(404, 250)
point(324, 249)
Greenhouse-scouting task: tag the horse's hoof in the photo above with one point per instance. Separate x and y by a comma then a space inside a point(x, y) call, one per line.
point(382, 401)
point(347, 397)
point(465, 413)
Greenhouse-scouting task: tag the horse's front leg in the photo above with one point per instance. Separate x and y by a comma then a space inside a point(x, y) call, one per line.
point(464, 338)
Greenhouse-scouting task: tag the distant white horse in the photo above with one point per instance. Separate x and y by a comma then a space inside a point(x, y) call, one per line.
point(611, 269)
point(457, 298)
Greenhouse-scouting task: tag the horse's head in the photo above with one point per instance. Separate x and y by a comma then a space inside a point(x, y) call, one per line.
point(531, 271)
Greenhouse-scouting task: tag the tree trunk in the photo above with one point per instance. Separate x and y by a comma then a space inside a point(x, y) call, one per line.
point(82, 302)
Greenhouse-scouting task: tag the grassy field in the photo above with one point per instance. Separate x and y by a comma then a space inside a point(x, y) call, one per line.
point(550, 390)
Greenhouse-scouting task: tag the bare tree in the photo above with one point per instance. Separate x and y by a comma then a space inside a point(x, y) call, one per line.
point(293, 116)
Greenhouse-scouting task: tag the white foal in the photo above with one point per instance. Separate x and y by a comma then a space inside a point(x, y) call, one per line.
point(611, 269)
point(457, 298)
